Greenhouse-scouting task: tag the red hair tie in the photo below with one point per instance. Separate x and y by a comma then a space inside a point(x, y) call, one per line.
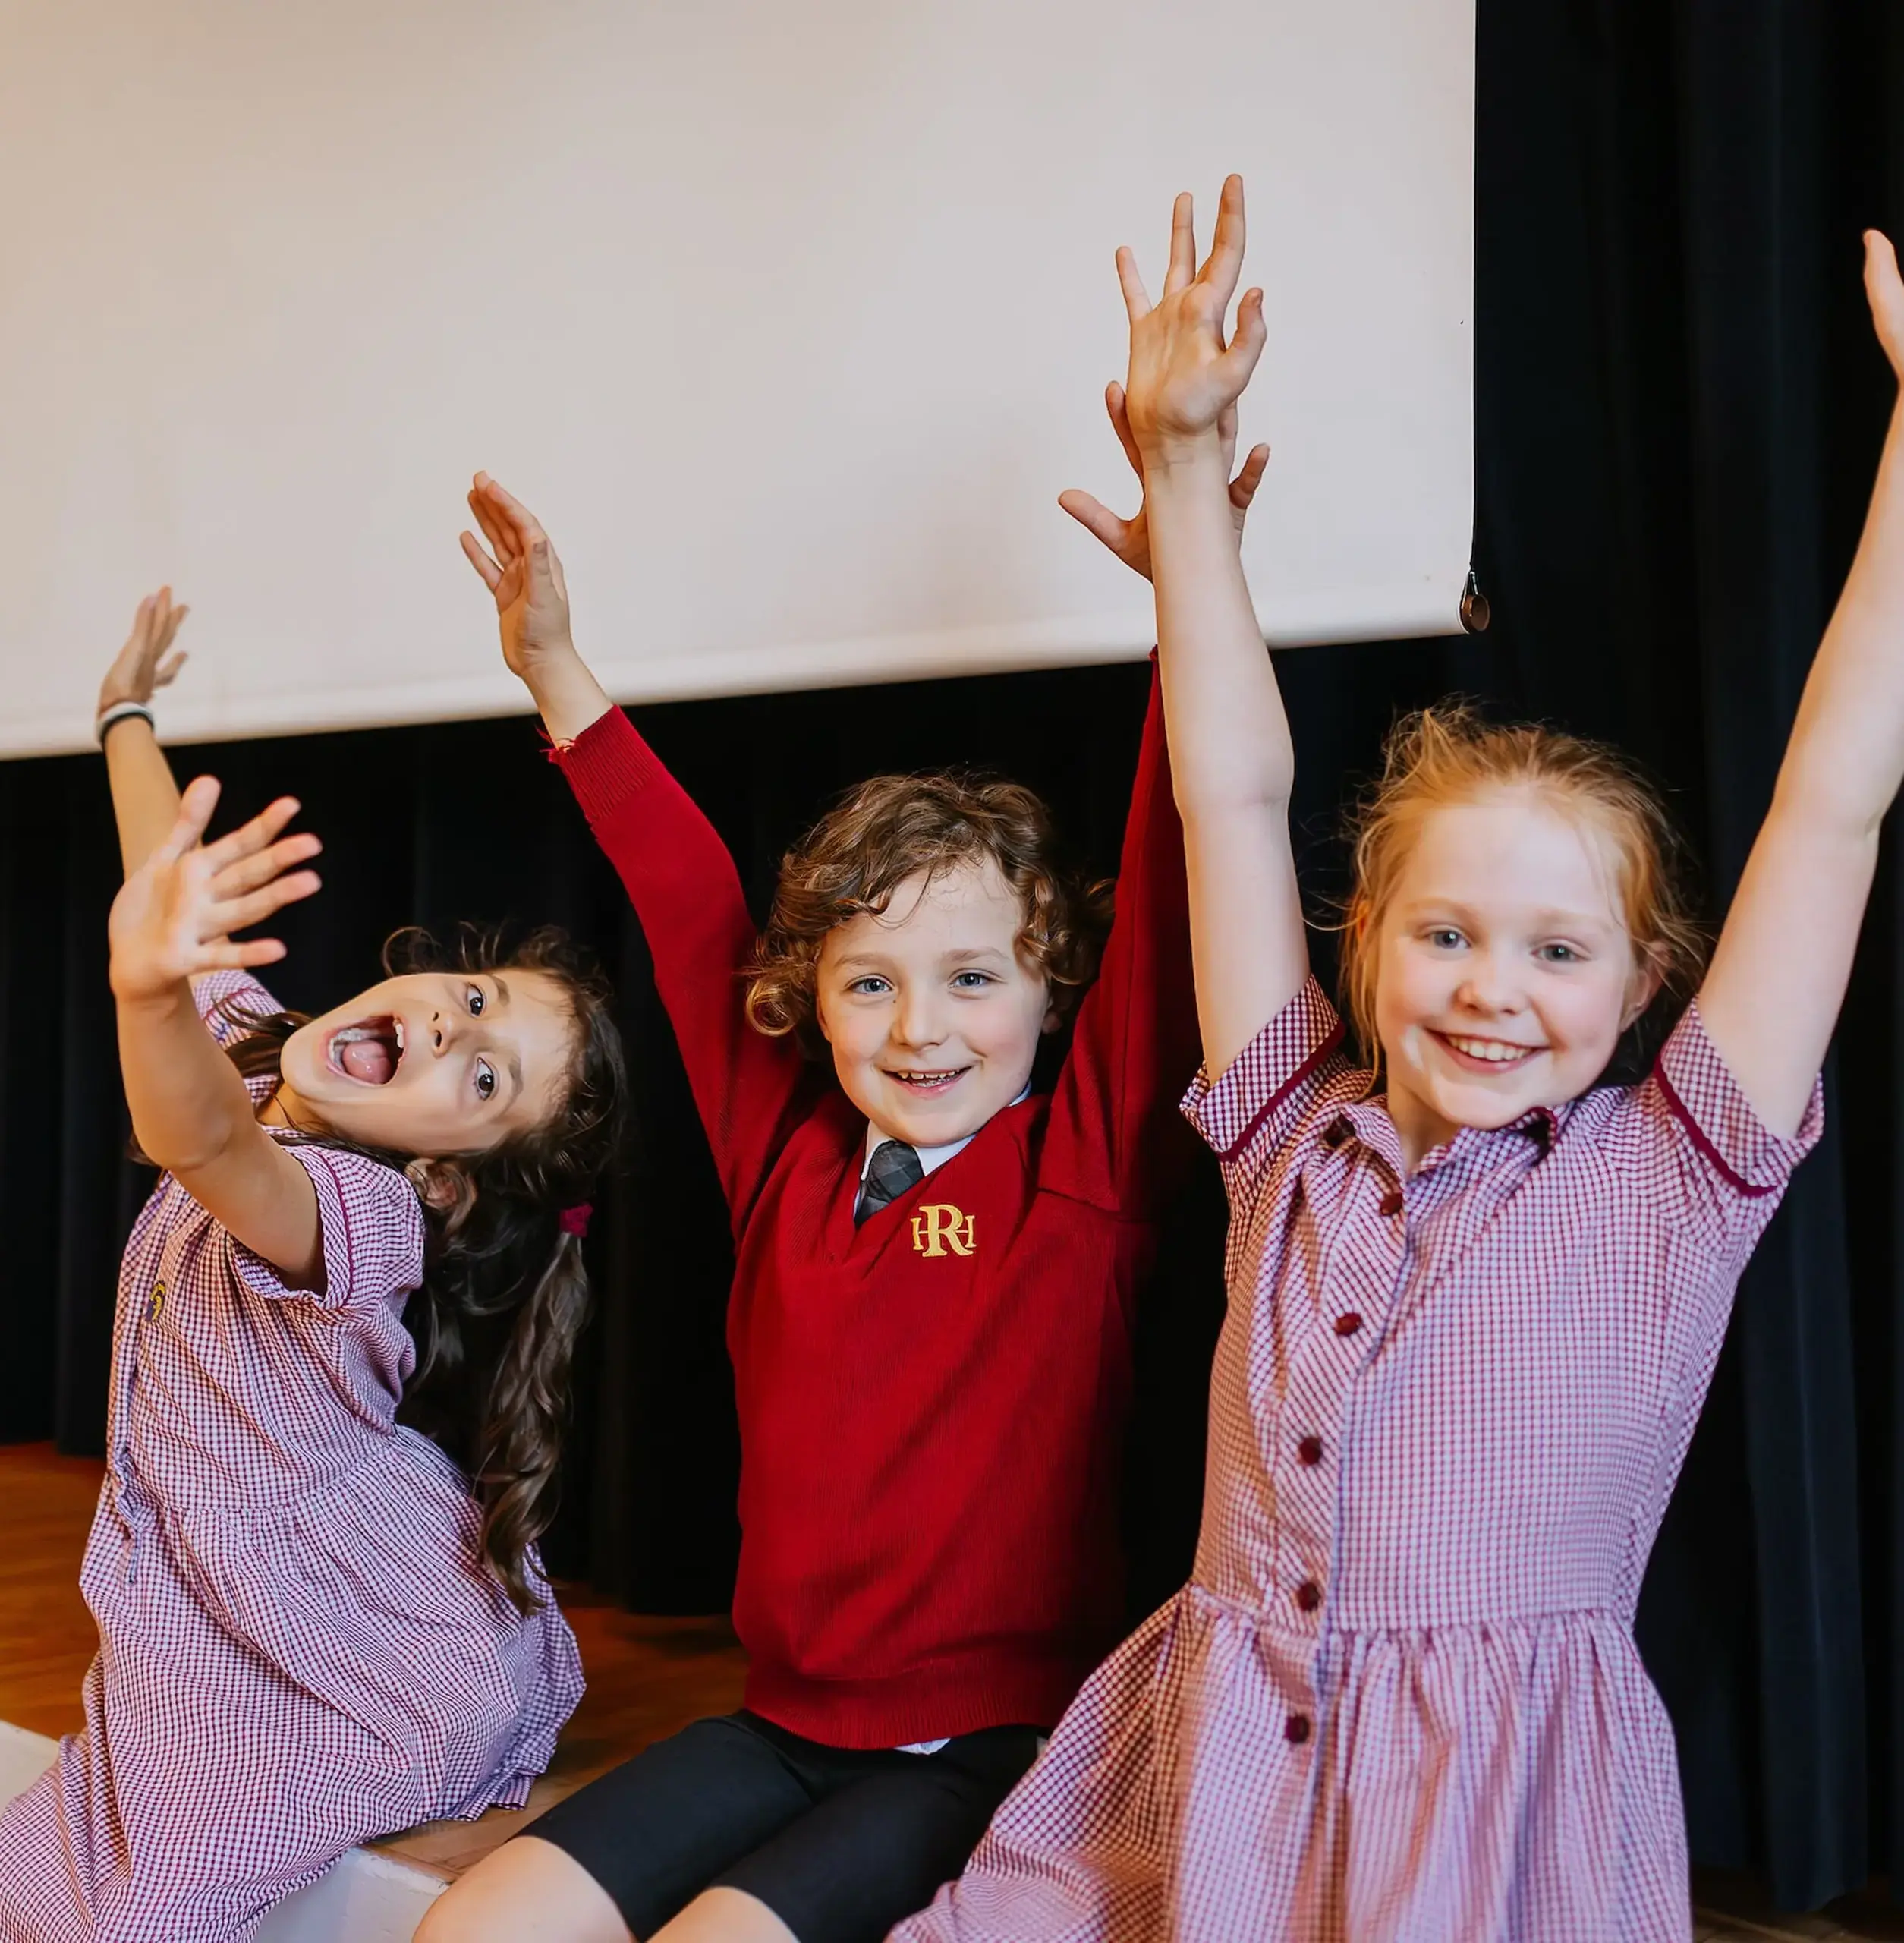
point(574, 1220)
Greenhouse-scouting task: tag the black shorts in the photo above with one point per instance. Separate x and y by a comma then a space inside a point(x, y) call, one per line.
point(839, 1842)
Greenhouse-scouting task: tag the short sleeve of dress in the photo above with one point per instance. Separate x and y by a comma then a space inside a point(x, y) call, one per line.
point(372, 1225)
point(1251, 1111)
point(226, 999)
point(1728, 1157)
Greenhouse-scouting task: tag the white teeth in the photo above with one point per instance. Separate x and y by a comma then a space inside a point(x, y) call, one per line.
point(1492, 1050)
point(398, 1024)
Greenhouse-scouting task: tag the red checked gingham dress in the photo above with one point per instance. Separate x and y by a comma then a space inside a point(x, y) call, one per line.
point(297, 1648)
point(1399, 1701)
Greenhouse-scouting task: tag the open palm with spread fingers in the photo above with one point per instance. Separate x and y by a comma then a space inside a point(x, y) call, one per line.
point(145, 663)
point(174, 916)
point(1184, 373)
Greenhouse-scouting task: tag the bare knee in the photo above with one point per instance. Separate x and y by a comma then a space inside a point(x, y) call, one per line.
point(725, 1916)
point(527, 1892)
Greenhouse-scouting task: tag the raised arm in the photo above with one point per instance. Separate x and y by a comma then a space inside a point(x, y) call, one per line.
point(190, 1112)
point(145, 798)
point(1135, 1047)
point(671, 860)
point(1771, 998)
point(525, 575)
point(1232, 764)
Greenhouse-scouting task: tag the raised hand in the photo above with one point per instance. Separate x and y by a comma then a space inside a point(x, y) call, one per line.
point(1885, 290)
point(1129, 539)
point(172, 918)
point(145, 663)
point(522, 571)
point(1184, 373)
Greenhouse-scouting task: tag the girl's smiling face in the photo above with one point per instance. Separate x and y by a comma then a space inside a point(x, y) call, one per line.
point(1505, 973)
point(931, 1013)
point(431, 1063)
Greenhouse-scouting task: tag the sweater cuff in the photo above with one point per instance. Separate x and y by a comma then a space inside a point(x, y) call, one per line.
point(606, 764)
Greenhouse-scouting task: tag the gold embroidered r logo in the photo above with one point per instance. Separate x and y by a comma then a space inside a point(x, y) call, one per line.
point(942, 1228)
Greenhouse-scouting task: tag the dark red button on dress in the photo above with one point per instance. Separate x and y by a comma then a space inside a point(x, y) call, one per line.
point(1461, 1741)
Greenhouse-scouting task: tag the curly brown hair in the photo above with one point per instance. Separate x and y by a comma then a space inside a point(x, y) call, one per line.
point(1451, 754)
point(888, 830)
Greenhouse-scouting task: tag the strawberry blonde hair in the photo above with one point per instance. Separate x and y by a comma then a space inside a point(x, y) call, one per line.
point(888, 829)
point(1450, 754)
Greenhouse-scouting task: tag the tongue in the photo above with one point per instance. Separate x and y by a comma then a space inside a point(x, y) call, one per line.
point(367, 1059)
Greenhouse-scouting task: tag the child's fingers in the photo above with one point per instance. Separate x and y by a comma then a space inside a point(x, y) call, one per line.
point(195, 808)
point(225, 956)
point(1114, 404)
point(1246, 344)
point(248, 872)
point(240, 914)
point(165, 635)
point(526, 526)
point(250, 838)
point(139, 632)
point(1183, 244)
point(1225, 264)
point(1096, 518)
point(498, 532)
point(473, 552)
point(1136, 302)
point(1885, 289)
point(1242, 488)
point(167, 672)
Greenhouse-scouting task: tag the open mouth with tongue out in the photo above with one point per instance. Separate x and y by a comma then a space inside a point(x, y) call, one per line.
point(368, 1052)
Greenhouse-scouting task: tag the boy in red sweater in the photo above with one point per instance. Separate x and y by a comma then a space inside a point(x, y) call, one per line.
point(931, 1318)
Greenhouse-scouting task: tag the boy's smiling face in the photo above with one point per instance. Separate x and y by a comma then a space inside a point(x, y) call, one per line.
point(932, 1016)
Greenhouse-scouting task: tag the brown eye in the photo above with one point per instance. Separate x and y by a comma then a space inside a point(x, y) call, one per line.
point(476, 1001)
point(485, 1080)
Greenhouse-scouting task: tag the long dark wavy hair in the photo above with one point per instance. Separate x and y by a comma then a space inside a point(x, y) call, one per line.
point(505, 1293)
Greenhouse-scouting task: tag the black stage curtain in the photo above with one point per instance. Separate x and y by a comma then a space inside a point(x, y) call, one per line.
point(1678, 411)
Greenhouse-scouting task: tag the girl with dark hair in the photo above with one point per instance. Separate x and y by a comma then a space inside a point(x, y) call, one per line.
point(316, 1625)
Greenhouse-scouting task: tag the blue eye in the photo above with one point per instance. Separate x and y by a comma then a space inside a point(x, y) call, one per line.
point(869, 987)
point(1445, 937)
point(1559, 954)
point(973, 982)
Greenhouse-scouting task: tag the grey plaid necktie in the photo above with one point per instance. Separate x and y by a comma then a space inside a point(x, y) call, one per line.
point(894, 1168)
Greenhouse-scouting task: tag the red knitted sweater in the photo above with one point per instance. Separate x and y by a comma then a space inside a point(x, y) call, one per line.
point(932, 1406)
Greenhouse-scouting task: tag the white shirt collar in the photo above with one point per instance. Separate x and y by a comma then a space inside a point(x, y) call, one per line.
point(929, 1157)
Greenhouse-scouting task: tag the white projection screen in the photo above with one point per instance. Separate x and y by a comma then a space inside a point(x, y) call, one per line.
point(791, 321)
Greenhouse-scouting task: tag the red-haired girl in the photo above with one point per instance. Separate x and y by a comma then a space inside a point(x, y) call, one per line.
point(1476, 1294)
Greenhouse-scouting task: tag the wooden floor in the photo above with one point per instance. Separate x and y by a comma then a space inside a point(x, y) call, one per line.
point(646, 1678)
